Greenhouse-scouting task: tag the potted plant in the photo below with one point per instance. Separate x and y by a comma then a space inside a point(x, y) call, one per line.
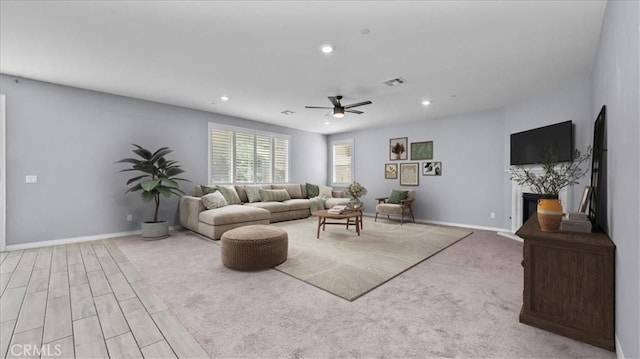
point(158, 179)
point(356, 190)
point(549, 182)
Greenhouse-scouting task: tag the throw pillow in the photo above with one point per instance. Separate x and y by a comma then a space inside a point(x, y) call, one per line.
point(325, 192)
point(274, 195)
point(312, 190)
point(214, 200)
point(253, 193)
point(397, 196)
point(294, 190)
point(208, 189)
point(230, 194)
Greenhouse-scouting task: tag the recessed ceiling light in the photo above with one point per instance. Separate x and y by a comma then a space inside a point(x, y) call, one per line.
point(224, 98)
point(327, 122)
point(426, 103)
point(327, 49)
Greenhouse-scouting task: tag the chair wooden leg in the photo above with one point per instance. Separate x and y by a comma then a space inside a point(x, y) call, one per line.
point(376, 219)
point(402, 219)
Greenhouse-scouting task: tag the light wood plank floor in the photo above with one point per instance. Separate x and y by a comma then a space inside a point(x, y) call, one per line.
point(84, 300)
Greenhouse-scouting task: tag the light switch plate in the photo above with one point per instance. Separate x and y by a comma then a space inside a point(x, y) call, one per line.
point(31, 179)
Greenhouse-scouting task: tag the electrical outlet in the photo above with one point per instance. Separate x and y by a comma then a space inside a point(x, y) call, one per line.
point(129, 217)
point(31, 179)
point(493, 215)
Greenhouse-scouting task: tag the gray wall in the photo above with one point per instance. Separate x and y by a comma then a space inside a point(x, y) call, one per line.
point(474, 150)
point(70, 138)
point(614, 83)
point(471, 150)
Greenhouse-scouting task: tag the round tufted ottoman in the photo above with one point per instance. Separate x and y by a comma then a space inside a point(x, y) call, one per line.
point(254, 247)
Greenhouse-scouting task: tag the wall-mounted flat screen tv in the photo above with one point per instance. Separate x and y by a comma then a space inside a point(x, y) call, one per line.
point(535, 146)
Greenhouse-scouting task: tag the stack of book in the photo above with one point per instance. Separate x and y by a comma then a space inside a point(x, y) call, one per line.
point(338, 209)
point(575, 222)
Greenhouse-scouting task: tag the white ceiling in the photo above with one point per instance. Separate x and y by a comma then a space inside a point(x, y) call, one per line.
point(463, 56)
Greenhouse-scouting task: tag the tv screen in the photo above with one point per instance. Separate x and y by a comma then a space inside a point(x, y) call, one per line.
point(534, 146)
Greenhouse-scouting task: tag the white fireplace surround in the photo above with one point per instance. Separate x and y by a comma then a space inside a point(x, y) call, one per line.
point(516, 200)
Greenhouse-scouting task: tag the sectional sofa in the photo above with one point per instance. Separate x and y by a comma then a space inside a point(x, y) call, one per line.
point(212, 223)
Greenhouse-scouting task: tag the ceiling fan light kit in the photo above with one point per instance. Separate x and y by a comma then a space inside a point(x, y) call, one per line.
point(339, 109)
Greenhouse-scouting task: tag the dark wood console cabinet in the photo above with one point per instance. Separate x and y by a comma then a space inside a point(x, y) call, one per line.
point(569, 284)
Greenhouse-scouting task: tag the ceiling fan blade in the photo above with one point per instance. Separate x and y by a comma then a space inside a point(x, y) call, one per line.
point(354, 111)
point(318, 107)
point(335, 101)
point(358, 104)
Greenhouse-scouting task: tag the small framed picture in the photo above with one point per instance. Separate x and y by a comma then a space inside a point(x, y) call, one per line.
point(409, 174)
point(432, 168)
point(398, 149)
point(391, 171)
point(422, 150)
point(584, 201)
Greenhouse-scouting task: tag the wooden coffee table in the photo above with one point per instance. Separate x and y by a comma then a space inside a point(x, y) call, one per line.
point(323, 215)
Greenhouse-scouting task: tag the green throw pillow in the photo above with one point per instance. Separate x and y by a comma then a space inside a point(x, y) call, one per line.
point(208, 189)
point(274, 195)
point(312, 190)
point(396, 196)
point(230, 194)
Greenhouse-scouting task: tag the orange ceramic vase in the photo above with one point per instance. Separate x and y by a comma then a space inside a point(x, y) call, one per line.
point(549, 214)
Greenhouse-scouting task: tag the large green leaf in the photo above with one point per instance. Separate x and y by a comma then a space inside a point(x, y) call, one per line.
point(149, 185)
point(169, 183)
point(173, 171)
point(165, 191)
point(128, 160)
point(159, 154)
point(148, 196)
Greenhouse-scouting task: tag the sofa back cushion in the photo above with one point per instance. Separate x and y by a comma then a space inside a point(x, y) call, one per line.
point(253, 192)
point(203, 189)
point(274, 195)
point(294, 190)
point(325, 192)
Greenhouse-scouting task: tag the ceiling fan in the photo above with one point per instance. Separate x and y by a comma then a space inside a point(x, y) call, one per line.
point(339, 109)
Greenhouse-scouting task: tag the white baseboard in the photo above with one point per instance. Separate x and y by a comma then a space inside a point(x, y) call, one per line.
point(511, 236)
point(451, 224)
point(619, 353)
point(57, 242)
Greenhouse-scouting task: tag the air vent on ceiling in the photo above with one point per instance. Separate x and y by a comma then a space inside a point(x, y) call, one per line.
point(287, 112)
point(395, 81)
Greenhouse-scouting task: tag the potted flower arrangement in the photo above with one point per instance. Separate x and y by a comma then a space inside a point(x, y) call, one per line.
point(549, 182)
point(158, 179)
point(356, 190)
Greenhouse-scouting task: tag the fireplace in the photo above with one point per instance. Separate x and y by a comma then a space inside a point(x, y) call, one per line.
point(517, 201)
point(529, 205)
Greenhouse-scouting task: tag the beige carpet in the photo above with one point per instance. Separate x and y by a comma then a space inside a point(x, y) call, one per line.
point(348, 265)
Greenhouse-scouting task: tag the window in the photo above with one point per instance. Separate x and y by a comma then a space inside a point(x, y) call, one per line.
point(241, 155)
point(342, 162)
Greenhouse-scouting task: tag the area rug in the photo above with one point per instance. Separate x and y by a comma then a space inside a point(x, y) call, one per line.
point(348, 265)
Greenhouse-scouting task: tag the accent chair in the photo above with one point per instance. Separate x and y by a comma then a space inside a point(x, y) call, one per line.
point(398, 203)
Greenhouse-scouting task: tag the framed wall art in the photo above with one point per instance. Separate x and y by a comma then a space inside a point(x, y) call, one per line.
point(432, 168)
point(391, 171)
point(422, 150)
point(584, 201)
point(398, 149)
point(409, 174)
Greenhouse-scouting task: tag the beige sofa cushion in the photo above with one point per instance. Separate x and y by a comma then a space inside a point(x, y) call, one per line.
point(214, 200)
point(233, 213)
point(294, 190)
point(325, 192)
point(296, 204)
point(273, 207)
point(330, 202)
